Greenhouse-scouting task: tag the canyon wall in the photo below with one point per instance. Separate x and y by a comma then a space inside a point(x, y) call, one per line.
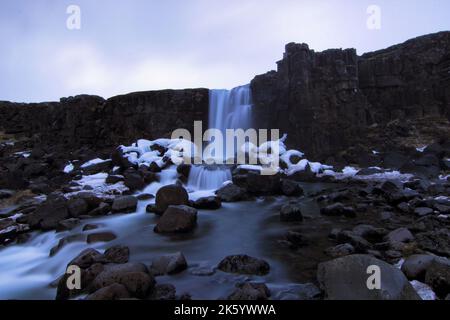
point(333, 100)
point(92, 121)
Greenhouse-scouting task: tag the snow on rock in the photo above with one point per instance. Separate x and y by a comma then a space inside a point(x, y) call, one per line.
point(98, 185)
point(68, 168)
point(423, 290)
point(92, 162)
point(421, 149)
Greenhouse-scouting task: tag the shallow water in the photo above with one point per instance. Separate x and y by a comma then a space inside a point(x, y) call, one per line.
point(252, 228)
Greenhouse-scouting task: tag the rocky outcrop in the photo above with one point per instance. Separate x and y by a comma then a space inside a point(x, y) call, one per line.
point(92, 121)
point(332, 100)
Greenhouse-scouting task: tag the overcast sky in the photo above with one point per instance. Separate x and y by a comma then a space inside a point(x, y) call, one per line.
point(134, 45)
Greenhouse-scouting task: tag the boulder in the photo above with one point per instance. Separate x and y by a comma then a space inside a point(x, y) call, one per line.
point(171, 195)
point(168, 264)
point(340, 250)
point(177, 219)
point(291, 188)
point(436, 241)
point(423, 211)
point(85, 259)
point(415, 266)
point(101, 237)
point(163, 292)
point(438, 276)
point(244, 264)
point(114, 291)
point(48, 215)
point(133, 180)
point(102, 209)
point(231, 193)
point(208, 203)
point(124, 204)
point(250, 291)
point(291, 212)
point(68, 224)
point(338, 209)
point(346, 278)
point(116, 254)
point(400, 235)
point(360, 244)
point(263, 184)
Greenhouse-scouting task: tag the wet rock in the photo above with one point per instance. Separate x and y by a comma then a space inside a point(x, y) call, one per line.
point(101, 237)
point(145, 196)
point(5, 194)
point(163, 292)
point(263, 184)
point(291, 212)
point(114, 291)
point(296, 239)
point(133, 180)
point(124, 204)
point(171, 195)
point(415, 266)
point(8, 230)
point(134, 276)
point(168, 264)
point(62, 242)
point(250, 291)
point(423, 211)
point(94, 168)
point(338, 209)
point(401, 235)
point(360, 244)
point(208, 203)
point(231, 193)
point(48, 215)
point(112, 179)
point(90, 226)
point(436, 241)
point(340, 250)
point(244, 264)
point(346, 279)
point(307, 291)
point(68, 224)
point(177, 219)
point(116, 254)
point(291, 188)
point(370, 233)
point(438, 276)
point(102, 209)
point(85, 259)
point(92, 200)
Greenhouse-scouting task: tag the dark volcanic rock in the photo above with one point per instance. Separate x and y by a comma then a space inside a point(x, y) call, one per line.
point(177, 219)
point(438, 276)
point(125, 204)
point(172, 195)
point(291, 188)
point(250, 291)
point(346, 279)
point(209, 203)
point(231, 193)
point(338, 209)
point(48, 215)
point(244, 264)
point(291, 212)
point(114, 291)
point(168, 264)
point(416, 266)
point(101, 237)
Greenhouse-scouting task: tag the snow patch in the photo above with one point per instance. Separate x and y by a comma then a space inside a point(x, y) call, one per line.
point(92, 162)
point(423, 290)
point(68, 168)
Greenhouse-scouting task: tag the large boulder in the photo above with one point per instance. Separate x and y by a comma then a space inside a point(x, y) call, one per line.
point(438, 276)
point(48, 215)
point(346, 279)
point(171, 195)
point(177, 219)
point(416, 266)
point(168, 264)
point(114, 291)
point(291, 212)
point(250, 291)
point(231, 193)
point(125, 204)
point(244, 264)
point(208, 203)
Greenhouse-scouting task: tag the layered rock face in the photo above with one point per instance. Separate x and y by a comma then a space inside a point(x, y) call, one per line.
point(92, 121)
point(328, 101)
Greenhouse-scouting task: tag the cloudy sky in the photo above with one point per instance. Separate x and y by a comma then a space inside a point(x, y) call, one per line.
point(133, 45)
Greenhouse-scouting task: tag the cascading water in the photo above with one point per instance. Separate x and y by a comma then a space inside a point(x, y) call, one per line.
point(208, 177)
point(228, 109)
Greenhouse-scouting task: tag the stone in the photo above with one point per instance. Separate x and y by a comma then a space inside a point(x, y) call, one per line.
point(48, 215)
point(402, 235)
point(231, 193)
point(145, 196)
point(102, 209)
point(415, 266)
point(124, 204)
point(163, 292)
point(250, 291)
point(68, 224)
point(291, 188)
point(101, 237)
point(340, 250)
point(338, 209)
point(113, 178)
point(208, 203)
point(85, 259)
point(345, 278)
point(423, 211)
point(438, 277)
point(171, 195)
point(177, 219)
point(114, 291)
point(244, 264)
point(133, 180)
point(90, 226)
point(168, 264)
point(436, 241)
point(291, 212)
point(360, 244)
point(116, 254)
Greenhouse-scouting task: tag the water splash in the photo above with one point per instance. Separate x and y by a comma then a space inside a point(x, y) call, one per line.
point(208, 177)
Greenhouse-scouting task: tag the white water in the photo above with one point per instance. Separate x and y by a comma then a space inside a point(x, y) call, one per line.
point(208, 177)
point(230, 109)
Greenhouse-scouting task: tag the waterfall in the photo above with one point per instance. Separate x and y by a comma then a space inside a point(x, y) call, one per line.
point(206, 177)
point(230, 109)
